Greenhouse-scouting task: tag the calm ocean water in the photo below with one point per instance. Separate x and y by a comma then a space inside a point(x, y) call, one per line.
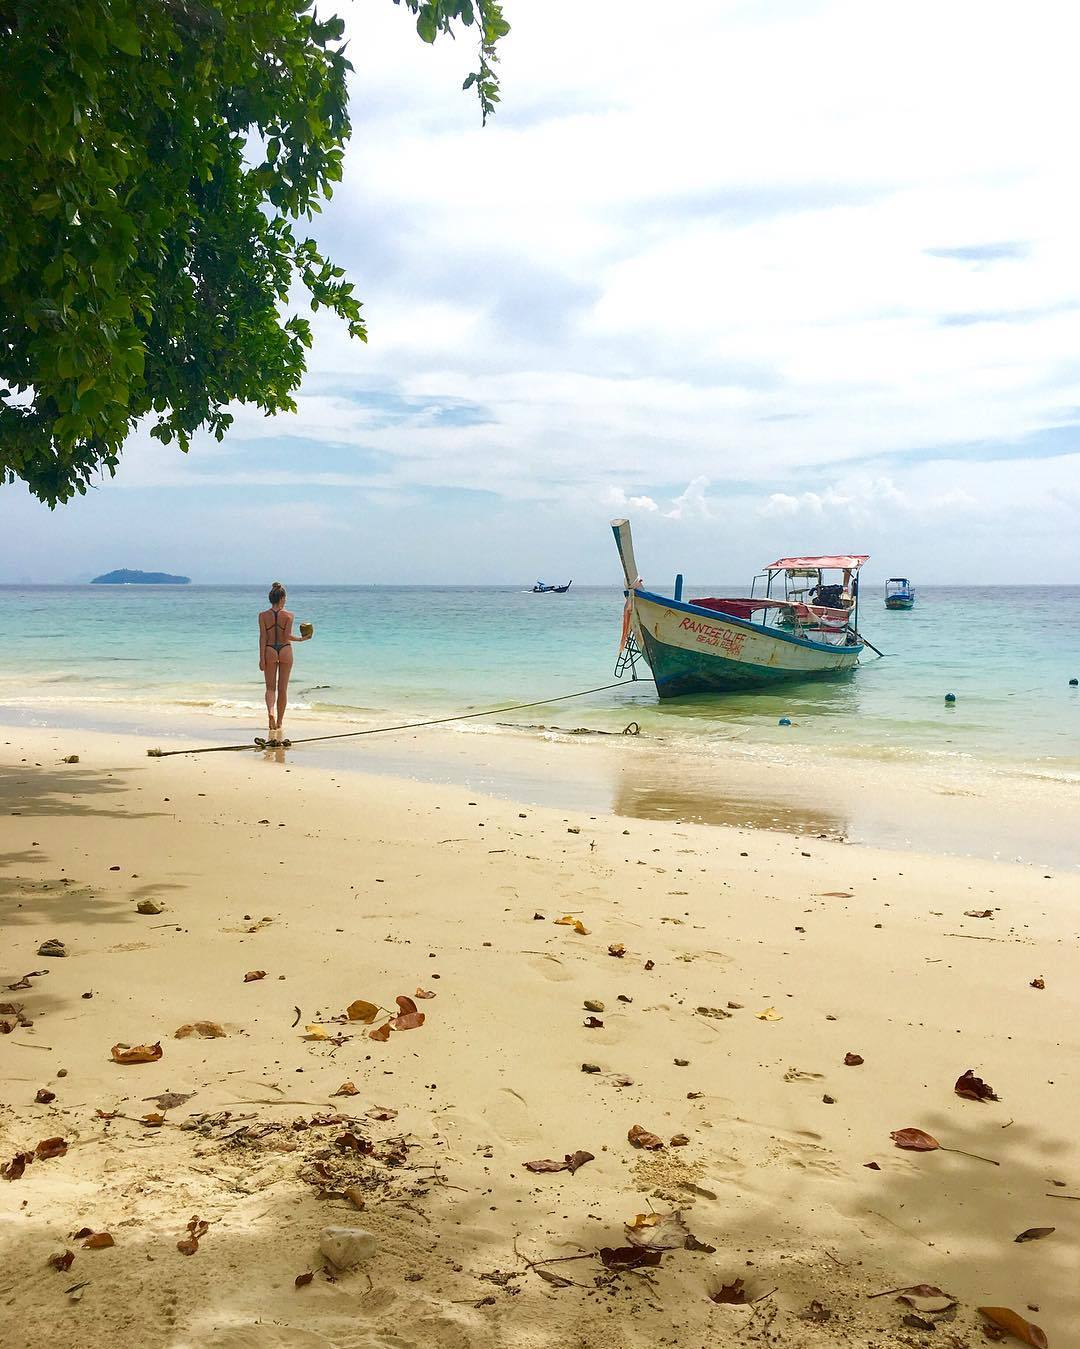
point(82, 652)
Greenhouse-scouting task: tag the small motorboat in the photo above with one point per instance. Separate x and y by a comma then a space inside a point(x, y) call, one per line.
point(542, 588)
point(797, 626)
point(899, 593)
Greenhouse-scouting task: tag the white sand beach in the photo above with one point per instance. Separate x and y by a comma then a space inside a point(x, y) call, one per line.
point(748, 963)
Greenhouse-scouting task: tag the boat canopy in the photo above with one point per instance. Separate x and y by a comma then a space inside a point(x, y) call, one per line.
point(852, 563)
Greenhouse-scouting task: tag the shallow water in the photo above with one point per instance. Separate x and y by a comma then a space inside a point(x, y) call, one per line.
point(404, 653)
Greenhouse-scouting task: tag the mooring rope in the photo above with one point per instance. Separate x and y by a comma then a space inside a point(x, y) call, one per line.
point(405, 726)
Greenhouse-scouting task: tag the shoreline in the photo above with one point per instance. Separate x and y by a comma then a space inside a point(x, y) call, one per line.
point(347, 885)
point(951, 806)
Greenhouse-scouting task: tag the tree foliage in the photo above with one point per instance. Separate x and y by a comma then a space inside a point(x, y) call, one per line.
point(155, 156)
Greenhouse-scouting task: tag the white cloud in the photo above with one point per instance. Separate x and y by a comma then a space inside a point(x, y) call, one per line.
point(711, 253)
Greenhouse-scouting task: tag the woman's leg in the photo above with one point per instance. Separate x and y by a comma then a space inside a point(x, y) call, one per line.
point(284, 669)
point(271, 672)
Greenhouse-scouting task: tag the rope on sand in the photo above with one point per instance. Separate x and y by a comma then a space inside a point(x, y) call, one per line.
point(405, 726)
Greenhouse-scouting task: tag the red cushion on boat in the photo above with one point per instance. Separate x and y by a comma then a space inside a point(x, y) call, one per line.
point(739, 608)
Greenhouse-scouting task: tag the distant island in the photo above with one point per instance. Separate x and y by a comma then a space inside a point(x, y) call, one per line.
point(123, 577)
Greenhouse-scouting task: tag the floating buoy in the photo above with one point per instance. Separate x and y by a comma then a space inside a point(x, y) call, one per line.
point(784, 721)
point(1073, 683)
point(950, 697)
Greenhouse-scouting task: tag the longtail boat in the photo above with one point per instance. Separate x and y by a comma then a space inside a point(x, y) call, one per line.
point(798, 627)
point(899, 593)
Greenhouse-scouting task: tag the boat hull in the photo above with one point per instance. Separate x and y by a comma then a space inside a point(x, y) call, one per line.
point(692, 650)
point(896, 603)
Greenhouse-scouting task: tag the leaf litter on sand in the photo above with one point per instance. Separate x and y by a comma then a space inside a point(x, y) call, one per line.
point(122, 1053)
point(733, 1293)
point(642, 1138)
point(346, 1089)
point(568, 920)
point(572, 1162)
point(1034, 1233)
point(628, 1257)
point(918, 1140)
point(657, 1231)
point(926, 1297)
point(207, 1030)
point(973, 1088)
point(196, 1228)
point(169, 1100)
point(1015, 1324)
point(50, 1147)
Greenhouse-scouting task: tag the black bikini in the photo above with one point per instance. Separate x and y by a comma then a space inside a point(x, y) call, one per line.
point(274, 646)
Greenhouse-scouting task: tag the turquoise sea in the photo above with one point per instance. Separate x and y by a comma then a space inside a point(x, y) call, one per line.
point(94, 654)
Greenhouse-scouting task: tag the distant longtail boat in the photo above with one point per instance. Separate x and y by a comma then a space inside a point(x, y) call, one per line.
point(722, 646)
point(899, 593)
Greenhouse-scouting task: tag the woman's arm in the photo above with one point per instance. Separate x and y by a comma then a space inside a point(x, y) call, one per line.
point(262, 645)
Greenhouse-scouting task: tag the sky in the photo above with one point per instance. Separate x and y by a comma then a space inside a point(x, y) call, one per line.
point(769, 277)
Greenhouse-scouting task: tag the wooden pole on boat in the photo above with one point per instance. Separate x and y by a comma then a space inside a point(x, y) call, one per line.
point(625, 544)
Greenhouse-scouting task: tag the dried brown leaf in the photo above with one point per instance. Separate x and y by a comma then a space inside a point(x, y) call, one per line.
point(556, 1280)
point(154, 1120)
point(346, 1089)
point(926, 1297)
point(122, 1053)
point(188, 1245)
point(423, 993)
point(208, 1030)
point(641, 1138)
point(915, 1140)
point(253, 975)
point(545, 1164)
point(98, 1241)
point(734, 1293)
point(853, 1060)
point(657, 1231)
point(679, 1140)
point(593, 1023)
point(302, 1280)
point(1034, 1233)
point(1006, 1319)
point(628, 1257)
point(50, 1147)
point(169, 1100)
point(692, 1244)
point(381, 1112)
point(1038, 982)
point(973, 1088)
point(62, 1260)
point(978, 913)
point(617, 949)
point(14, 1169)
point(568, 920)
point(407, 1020)
point(362, 1011)
point(383, 1032)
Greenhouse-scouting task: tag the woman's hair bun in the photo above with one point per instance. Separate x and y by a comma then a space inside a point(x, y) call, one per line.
point(277, 593)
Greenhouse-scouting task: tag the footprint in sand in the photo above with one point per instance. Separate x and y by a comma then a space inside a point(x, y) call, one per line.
point(552, 968)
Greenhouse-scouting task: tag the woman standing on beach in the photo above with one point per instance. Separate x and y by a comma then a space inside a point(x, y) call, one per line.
point(276, 656)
